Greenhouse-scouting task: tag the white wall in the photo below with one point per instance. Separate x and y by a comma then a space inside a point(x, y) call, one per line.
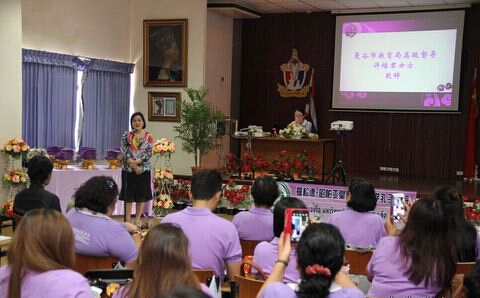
point(90, 28)
point(196, 13)
point(10, 77)
point(219, 65)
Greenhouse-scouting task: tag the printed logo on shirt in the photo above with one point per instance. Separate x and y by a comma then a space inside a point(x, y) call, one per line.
point(81, 236)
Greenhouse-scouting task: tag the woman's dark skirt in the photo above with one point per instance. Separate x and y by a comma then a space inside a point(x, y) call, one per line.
point(136, 188)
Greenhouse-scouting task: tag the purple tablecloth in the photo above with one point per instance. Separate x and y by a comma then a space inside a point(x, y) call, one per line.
point(64, 183)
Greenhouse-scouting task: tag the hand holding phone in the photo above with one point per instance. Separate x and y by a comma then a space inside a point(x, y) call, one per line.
point(296, 221)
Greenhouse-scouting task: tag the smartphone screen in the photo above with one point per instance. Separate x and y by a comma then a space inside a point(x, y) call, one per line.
point(397, 208)
point(296, 221)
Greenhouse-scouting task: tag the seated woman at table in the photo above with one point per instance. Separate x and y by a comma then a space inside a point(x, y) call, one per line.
point(300, 120)
point(464, 237)
point(358, 226)
point(257, 223)
point(418, 262)
point(39, 258)
point(40, 172)
point(163, 264)
point(96, 234)
point(320, 255)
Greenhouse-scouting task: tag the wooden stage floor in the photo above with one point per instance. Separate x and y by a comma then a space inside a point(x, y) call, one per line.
point(422, 185)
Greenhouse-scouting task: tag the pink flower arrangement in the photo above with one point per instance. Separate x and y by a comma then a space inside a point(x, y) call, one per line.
point(15, 177)
point(164, 146)
point(15, 147)
point(163, 174)
point(162, 204)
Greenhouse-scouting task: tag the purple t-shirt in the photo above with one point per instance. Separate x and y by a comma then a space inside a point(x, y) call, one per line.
point(478, 246)
point(265, 255)
point(61, 283)
point(254, 224)
point(359, 229)
point(388, 271)
point(99, 235)
point(278, 289)
point(213, 240)
point(124, 291)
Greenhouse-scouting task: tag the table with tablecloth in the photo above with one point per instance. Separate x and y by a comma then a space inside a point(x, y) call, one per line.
point(64, 183)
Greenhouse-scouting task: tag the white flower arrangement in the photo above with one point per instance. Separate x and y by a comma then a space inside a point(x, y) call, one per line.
point(294, 130)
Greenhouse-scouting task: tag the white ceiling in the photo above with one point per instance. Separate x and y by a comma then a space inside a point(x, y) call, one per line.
point(292, 6)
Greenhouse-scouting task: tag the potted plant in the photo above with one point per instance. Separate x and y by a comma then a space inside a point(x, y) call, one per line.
point(198, 124)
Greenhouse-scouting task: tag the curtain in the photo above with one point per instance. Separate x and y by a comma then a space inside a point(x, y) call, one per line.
point(49, 92)
point(106, 102)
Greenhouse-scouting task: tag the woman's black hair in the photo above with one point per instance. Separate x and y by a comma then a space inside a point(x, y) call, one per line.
point(463, 234)
point(96, 194)
point(321, 244)
point(39, 168)
point(141, 116)
point(428, 258)
point(363, 197)
point(265, 191)
point(279, 212)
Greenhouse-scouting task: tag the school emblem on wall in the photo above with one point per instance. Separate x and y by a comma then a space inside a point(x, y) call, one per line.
point(294, 76)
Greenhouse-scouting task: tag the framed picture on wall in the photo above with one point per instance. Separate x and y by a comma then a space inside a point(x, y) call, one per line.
point(164, 106)
point(165, 53)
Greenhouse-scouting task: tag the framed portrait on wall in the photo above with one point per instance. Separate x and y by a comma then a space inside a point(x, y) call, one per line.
point(165, 53)
point(164, 106)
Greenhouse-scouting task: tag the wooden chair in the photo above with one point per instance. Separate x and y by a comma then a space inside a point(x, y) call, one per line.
point(203, 274)
point(358, 260)
point(84, 263)
point(461, 269)
point(249, 285)
point(248, 246)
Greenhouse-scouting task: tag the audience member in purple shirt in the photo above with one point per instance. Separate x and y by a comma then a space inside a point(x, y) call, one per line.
point(96, 234)
point(38, 257)
point(213, 240)
point(463, 235)
point(266, 253)
point(163, 264)
point(320, 255)
point(358, 226)
point(417, 263)
point(257, 223)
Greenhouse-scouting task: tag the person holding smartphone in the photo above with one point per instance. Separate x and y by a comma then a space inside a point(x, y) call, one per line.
point(320, 253)
point(266, 253)
point(418, 262)
point(359, 227)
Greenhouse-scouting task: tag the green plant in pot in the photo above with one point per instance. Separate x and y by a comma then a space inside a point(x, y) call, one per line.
point(198, 124)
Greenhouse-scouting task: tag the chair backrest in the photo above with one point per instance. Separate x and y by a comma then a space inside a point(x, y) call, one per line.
point(358, 260)
point(84, 263)
point(203, 274)
point(247, 287)
point(464, 267)
point(248, 246)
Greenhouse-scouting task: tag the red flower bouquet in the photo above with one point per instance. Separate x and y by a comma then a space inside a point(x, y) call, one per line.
point(237, 195)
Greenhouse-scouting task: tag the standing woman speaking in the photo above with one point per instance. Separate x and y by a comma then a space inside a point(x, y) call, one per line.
point(136, 147)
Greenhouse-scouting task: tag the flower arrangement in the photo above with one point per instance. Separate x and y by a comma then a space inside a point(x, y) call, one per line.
point(163, 175)
point(15, 147)
point(237, 195)
point(7, 208)
point(282, 167)
point(260, 164)
point(15, 177)
point(162, 204)
point(232, 163)
point(472, 212)
point(36, 152)
point(180, 190)
point(294, 130)
point(164, 146)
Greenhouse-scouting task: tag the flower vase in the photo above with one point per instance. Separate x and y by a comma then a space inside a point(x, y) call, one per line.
point(166, 161)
